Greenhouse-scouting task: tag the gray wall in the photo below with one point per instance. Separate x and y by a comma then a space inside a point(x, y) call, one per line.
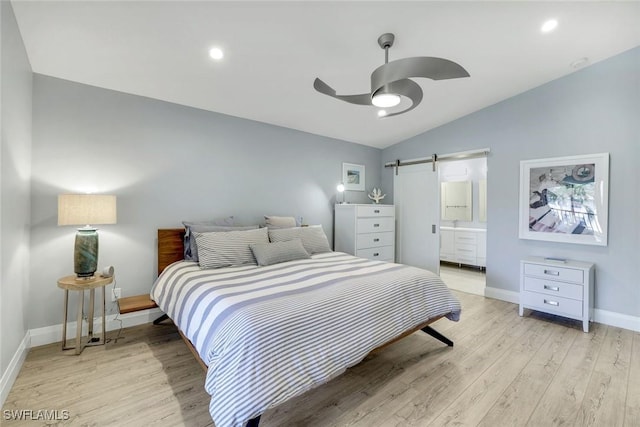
point(166, 163)
point(594, 110)
point(15, 171)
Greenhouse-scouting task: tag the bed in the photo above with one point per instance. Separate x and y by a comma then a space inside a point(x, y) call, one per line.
point(266, 334)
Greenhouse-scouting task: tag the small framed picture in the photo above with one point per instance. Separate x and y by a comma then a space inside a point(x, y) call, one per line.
point(353, 177)
point(565, 199)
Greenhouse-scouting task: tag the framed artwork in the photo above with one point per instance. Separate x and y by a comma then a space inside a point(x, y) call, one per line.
point(565, 199)
point(353, 177)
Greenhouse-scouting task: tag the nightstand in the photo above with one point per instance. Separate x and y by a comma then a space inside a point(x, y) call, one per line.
point(73, 283)
point(560, 288)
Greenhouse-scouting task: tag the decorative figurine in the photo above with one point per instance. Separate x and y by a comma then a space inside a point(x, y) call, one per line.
point(376, 195)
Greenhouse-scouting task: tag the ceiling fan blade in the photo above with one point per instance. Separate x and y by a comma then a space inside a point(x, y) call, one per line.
point(420, 66)
point(322, 87)
point(408, 88)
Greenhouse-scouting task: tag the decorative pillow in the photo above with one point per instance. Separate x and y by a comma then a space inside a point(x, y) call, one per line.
point(313, 238)
point(228, 248)
point(279, 221)
point(274, 253)
point(190, 248)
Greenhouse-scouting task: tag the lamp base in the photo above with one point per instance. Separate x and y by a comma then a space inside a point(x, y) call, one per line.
point(85, 254)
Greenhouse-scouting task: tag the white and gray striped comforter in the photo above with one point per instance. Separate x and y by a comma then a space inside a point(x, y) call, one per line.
point(270, 333)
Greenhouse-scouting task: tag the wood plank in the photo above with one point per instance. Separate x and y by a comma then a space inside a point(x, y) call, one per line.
point(560, 404)
point(439, 386)
point(604, 400)
point(515, 405)
point(477, 398)
point(135, 303)
point(170, 247)
point(632, 406)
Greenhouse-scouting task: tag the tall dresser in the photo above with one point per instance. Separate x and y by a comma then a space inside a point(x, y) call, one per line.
point(366, 231)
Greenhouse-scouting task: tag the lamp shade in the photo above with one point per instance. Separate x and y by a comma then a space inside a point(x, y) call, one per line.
point(85, 209)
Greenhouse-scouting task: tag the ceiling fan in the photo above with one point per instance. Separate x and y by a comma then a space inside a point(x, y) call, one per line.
point(391, 81)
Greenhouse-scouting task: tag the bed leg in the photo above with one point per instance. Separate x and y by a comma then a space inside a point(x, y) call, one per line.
point(253, 422)
point(160, 319)
point(437, 335)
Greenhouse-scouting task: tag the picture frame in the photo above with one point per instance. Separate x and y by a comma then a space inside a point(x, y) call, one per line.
point(353, 177)
point(565, 199)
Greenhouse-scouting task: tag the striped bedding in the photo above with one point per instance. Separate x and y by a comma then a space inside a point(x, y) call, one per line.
point(270, 333)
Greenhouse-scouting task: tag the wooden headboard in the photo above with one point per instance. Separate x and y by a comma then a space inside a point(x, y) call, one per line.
point(170, 246)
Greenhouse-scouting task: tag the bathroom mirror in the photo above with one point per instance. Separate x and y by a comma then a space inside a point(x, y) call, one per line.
point(455, 201)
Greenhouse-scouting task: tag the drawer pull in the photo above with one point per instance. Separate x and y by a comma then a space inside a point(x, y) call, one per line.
point(376, 225)
point(376, 254)
point(552, 288)
point(555, 303)
point(464, 250)
point(552, 273)
point(376, 240)
point(376, 211)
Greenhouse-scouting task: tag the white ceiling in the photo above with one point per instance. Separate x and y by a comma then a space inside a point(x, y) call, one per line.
point(274, 51)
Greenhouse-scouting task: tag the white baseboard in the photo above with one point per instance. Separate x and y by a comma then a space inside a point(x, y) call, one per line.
point(11, 373)
point(502, 294)
point(620, 320)
point(52, 334)
point(605, 317)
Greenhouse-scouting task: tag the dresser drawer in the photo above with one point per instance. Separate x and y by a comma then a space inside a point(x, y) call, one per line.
point(550, 287)
point(466, 237)
point(375, 225)
point(554, 273)
point(374, 240)
point(468, 251)
point(375, 211)
point(552, 304)
point(384, 253)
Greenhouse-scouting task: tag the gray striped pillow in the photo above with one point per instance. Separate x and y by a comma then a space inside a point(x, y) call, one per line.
point(313, 238)
point(274, 253)
point(228, 248)
point(279, 221)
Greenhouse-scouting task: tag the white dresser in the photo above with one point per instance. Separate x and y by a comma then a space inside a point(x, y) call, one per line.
point(464, 246)
point(556, 287)
point(366, 231)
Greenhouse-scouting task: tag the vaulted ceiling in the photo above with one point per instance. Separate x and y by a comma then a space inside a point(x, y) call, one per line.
point(274, 50)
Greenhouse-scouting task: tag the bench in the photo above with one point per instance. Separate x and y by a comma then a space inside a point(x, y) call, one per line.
point(138, 303)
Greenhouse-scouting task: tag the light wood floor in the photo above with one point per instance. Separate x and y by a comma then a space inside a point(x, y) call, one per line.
point(504, 370)
point(466, 279)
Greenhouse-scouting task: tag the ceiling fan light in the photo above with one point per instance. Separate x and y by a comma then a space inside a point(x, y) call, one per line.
point(385, 100)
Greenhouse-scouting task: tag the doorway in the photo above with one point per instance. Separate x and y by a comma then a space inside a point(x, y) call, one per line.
point(463, 224)
point(441, 217)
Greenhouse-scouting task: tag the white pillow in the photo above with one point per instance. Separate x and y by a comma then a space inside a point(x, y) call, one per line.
point(228, 248)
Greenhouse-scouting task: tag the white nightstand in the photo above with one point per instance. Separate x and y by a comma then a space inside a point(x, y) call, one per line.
point(556, 287)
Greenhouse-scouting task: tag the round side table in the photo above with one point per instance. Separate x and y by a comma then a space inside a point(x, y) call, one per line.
point(73, 283)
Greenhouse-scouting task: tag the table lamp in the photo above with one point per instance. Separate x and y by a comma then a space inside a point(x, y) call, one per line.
point(87, 210)
point(341, 189)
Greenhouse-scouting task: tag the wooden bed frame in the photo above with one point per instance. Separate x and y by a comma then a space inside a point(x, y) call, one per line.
point(171, 249)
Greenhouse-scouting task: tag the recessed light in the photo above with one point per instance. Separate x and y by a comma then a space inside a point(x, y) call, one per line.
point(549, 26)
point(216, 53)
point(382, 113)
point(579, 63)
